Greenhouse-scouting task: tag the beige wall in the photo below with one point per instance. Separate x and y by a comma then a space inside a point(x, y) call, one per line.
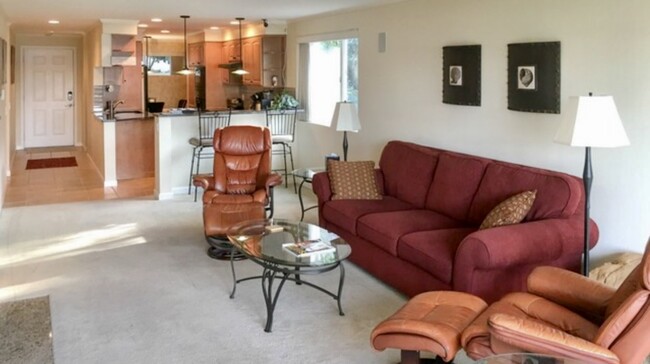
point(604, 50)
point(168, 89)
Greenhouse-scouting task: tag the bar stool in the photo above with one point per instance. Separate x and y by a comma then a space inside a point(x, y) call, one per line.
point(202, 146)
point(282, 124)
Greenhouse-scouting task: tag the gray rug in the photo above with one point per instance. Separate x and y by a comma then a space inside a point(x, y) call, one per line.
point(25, 331)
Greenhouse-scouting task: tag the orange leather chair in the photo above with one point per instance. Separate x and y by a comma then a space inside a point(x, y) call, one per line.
point(241, 186)
point(568, 315)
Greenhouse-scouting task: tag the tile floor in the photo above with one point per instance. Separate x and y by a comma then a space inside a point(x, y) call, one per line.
point(68, 184)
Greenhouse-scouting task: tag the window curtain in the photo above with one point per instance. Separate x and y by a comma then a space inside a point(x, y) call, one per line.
point(302, 92)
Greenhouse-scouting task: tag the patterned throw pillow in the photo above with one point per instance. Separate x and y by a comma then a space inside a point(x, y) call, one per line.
point(353, 180)
point(511, 211)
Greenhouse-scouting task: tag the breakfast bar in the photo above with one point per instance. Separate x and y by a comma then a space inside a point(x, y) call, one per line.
point(173, 154)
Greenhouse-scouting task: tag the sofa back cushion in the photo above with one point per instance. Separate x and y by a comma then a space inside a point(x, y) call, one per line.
point(558, 194)
point(408, 169)
point(455, 183)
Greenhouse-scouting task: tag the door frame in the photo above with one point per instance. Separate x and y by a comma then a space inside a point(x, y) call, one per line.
point(20, 138)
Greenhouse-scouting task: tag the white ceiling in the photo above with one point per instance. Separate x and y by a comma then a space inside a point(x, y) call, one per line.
point(75, 16)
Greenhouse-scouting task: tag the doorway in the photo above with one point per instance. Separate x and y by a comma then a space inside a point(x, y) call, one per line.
point(48, 96)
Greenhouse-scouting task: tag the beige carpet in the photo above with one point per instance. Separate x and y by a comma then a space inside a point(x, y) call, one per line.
point(129, 282)
point(25, 331)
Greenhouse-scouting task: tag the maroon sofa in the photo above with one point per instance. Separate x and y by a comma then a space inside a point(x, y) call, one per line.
point(423, 234)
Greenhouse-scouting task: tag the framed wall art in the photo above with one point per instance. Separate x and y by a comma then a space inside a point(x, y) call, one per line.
point(534, 77)
point(461, 75)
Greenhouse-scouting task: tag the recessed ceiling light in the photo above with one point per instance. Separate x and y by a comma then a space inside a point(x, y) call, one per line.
point(214, 28)
point(142, 25)
point(165, 31)
point(234, 22)
point(53, 21)
point(156, 20)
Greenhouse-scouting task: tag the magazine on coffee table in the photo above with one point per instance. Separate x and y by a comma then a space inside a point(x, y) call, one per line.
point(308, 247)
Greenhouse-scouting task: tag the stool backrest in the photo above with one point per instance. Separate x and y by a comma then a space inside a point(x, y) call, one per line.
point(282, 123)
point(211, 121)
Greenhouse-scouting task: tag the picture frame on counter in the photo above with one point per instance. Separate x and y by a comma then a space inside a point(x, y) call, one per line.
point(534, 77)
point(461, 75)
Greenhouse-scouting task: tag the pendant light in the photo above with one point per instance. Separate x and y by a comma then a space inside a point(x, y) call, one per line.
point(240, 71)
point(185, 70)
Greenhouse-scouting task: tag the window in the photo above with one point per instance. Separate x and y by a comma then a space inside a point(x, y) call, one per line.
point(328, 73)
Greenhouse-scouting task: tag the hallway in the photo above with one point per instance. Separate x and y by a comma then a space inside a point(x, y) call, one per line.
point(65, 184)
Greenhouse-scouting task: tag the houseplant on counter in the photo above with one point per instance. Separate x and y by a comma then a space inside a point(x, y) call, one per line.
point(283, 101)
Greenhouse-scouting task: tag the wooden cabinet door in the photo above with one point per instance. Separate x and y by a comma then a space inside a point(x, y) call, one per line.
point(196, 54)
point(252, 49)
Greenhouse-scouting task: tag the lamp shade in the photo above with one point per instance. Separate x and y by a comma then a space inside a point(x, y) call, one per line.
point(346, 117)
point(592, 121)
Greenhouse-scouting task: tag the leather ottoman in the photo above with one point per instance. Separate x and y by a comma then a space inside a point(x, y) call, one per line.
point(218, 218)
point(430, 321)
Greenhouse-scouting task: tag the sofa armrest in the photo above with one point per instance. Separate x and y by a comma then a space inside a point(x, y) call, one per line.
point(571, 290)
point(320, 184)
point(537, 337)
point(522, 246)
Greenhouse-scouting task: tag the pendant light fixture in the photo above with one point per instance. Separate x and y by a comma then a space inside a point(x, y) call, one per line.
point(185, 70)
point(240, 71)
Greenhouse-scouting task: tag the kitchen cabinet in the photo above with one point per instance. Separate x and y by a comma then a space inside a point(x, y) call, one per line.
point(134, 148)
point(196, 54)
point(264, 60)
point(252, 51)
point(207, 55)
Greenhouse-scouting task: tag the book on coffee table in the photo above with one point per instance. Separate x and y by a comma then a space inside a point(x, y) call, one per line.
point(308, 248)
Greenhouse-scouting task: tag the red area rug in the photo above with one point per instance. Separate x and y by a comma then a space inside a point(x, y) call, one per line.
point(51, 163)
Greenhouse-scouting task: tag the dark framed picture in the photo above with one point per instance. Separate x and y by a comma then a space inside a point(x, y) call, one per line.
point(534, 77)
point(461, 75)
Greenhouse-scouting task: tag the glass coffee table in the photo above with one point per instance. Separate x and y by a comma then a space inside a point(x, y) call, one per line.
point(264, 242)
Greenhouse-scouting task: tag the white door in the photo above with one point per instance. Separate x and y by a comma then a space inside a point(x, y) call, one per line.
point(48, 97)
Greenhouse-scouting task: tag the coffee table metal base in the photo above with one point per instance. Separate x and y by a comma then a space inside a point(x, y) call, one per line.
point(272, 272)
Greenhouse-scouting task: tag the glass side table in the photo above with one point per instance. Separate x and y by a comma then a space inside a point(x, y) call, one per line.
point(306, 175)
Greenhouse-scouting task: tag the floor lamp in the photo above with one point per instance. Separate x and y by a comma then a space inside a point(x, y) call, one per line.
point(346, 119)
point(591, 121)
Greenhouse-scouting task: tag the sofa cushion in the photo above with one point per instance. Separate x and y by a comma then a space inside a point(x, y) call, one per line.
point(558, 195)
point(455, 183)
point(353, 180)
point(408, 170)
point(433, 251)
point(344, 213)
point(511, 211)
point(384, 229)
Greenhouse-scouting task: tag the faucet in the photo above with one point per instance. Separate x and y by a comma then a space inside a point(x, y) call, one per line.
point(118, 102)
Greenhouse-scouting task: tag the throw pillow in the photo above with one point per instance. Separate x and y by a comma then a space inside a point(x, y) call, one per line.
point(511, 211)
point(353, 180)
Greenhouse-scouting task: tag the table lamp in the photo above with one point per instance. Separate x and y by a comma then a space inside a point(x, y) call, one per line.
point(346, 119)
point(591, 121)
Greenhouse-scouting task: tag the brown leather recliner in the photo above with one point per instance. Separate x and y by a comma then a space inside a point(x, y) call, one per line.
point(568, 315)
point(241, 186)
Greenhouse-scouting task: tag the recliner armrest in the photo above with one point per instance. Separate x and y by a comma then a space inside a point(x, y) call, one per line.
point(205, 181)
point(571, 290)
point(272, 180)
point(534, 336)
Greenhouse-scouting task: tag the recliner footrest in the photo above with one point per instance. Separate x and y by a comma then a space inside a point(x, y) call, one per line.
point(430, 321)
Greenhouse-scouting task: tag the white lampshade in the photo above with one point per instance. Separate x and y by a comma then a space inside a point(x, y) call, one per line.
point(346, 117)
point(592, 121)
